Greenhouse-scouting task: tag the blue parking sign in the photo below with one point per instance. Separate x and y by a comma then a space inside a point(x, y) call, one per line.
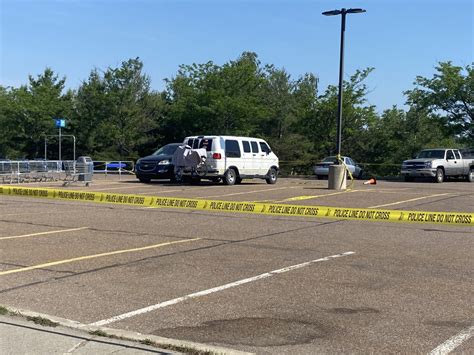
point(60, 123)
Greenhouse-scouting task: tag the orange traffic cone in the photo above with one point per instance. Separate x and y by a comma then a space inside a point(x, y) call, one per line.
point(372, 181)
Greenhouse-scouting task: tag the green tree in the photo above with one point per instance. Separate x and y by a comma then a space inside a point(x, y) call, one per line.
point(29, 111)
point(7, 132)
point(206, 98)
point(116, 115)
point(91, 113)
point(398, 135)
point(287, 104)
point(449, 96)
point(357, 117)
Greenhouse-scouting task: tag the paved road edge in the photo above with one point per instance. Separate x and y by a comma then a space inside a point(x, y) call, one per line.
point(125, 334)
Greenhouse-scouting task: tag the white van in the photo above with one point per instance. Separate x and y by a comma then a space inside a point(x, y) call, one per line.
point(233, 158)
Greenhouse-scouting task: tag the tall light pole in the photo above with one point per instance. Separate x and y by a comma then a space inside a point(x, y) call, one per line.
point(337, 173)
point(343, 12)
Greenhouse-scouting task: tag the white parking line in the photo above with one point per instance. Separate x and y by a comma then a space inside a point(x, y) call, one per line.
point(413, 199)
point(453, 342)
point(215, 289)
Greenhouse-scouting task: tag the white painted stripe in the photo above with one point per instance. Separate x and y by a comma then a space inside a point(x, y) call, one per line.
point(70, 351)
point(413, 199)
point(453, 342)
point(44, 233)
point(215, 289)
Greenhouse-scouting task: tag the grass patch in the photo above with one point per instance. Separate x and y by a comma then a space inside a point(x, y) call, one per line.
point(188, 350)
point(42, 321)
point(146, 342)
point(181, 349)
point(46, 322)
point(99, 333)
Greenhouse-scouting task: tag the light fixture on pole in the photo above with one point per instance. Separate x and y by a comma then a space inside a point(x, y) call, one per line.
point(343, 12)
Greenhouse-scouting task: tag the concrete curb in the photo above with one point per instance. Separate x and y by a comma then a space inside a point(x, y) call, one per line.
point(127, 335)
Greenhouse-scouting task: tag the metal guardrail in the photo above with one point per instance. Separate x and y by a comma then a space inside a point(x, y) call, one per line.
point(29, 170)
point(19, 171)
point(114, 167)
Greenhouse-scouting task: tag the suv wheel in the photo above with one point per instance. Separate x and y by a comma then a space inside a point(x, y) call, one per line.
point(230, 177)
point(272, 176)
point(144, 180)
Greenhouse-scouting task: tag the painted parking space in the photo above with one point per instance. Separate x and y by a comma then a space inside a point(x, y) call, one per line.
point(349, 303)
point(285, 191)
point(315, 211)
point(42, 233)
point(93, 256)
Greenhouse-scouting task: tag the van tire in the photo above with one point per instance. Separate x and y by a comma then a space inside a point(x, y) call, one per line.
point(272, 176)
point(230, 177)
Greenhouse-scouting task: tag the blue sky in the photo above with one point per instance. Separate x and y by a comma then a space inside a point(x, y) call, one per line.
point(400, 39)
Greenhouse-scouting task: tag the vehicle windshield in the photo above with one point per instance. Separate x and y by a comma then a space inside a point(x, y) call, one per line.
point(330, 160)
point(168, 149)
point(432, 153)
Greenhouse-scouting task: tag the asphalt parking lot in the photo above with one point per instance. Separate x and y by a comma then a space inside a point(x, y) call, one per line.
point(255, 283)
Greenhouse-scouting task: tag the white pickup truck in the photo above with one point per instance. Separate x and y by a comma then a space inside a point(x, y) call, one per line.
point(440, 164)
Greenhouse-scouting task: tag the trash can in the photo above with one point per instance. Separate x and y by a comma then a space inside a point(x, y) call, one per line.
point(84, 169)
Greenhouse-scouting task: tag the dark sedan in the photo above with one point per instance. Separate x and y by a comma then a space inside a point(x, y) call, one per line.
point(158, 165)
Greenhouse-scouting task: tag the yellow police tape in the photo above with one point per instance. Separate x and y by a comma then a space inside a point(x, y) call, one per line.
point(366, 214)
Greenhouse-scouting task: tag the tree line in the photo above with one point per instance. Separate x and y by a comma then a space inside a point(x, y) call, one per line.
point(115, 115)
